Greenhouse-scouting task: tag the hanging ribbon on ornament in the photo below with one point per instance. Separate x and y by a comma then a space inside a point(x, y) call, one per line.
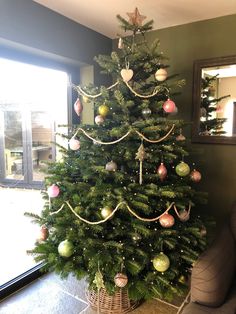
point(141, 155)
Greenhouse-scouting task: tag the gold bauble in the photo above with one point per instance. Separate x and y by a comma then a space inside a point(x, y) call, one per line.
point(106, 211)
point(103, 110)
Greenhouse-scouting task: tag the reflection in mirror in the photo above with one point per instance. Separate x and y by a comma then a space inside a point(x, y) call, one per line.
point(215, 100)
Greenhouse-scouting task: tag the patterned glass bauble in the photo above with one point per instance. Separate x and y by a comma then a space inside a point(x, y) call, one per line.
point(169, 106)
point(66, 248)
point(161, 75)
point(53, 190)
point(103, 110)
point(121, 280)
point(99, 120)
point(167, 221)
point(195, 176)
point(182, 169)
point(161, 262)
point(74, 144)
point(162, 172)
point(111, 166)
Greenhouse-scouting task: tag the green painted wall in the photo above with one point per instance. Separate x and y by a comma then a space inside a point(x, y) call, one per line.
point(183, 44)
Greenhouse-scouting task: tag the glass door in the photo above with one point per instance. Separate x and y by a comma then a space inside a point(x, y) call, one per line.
point(33, 102)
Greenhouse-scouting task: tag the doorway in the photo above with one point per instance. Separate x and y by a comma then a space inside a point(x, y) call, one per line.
point(33, 103)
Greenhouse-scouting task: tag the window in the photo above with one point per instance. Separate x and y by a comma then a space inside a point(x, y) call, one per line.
point(33, 102)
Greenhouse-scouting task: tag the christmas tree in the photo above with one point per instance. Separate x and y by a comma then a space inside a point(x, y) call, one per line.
point(117, 207)
point(210, 123)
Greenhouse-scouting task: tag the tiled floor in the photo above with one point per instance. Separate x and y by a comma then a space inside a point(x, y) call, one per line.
point(51, 295)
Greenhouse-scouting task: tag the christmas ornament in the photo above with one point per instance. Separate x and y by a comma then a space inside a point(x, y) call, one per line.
point(99, 119)
point(136, 18)
point(111, 166)
point(53, 190)
point(103, 110)
point(167, 220)
point(184, 215)
point(106, 211)
point(180, 137)
point(98, 280)
point(78, 107)
point(74, 144)
point(121, 280)
point(120, 43)
point(169, 106)
point(126, 74)
point(65, 248)
point(195, 176)
point(146, 112)
point(182, 169)
point(162, 171)
point(161, 75)
point(161, 262)
point(141, 155)
point(43, 234)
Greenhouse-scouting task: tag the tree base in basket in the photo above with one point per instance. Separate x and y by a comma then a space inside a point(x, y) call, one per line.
point(117, 303)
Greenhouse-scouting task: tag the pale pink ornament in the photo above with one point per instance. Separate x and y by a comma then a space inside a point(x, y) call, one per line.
point(99, 119)
point(184, 215)
point(121, 280)
point(180, 138)
point(195, 176)
point(74, 144)
point(162, 171)
point(161, 75)
point(127, 74)
point(53, 191)
point(167, 221)
point(169, 106)
point(78, 107)
point(111, 166)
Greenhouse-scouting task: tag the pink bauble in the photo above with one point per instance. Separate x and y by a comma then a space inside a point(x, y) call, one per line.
point(53, 190)
point(121, 280)
point(74, 144)
point(184, 215)
point(99, 119)
point(162, 171)
point(169, 106)
point(167, 220)
point(78, 107)
point(195, 176)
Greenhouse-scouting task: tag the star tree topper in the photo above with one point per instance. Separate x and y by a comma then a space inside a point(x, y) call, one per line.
point(136, 18)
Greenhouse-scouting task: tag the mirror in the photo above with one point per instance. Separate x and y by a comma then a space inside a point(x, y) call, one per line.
point(214, 101)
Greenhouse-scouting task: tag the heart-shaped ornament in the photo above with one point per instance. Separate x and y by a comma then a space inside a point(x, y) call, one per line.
point(126, 74)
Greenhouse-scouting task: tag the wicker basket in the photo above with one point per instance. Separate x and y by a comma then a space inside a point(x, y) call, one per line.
point(111, 304)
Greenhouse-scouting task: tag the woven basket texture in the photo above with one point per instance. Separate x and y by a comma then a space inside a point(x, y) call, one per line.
point(118, 303)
